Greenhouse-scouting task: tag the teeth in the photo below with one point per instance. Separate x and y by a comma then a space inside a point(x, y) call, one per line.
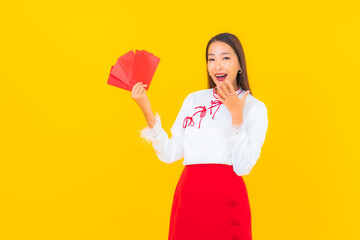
point(221, 75)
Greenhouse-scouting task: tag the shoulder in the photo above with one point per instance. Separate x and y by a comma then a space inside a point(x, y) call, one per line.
point(250, 99)
point(198, 95)
point(254, 105)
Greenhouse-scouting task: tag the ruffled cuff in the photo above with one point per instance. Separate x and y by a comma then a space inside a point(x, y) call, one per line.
point(238, 128)
point(152, 134)
point(236, 131)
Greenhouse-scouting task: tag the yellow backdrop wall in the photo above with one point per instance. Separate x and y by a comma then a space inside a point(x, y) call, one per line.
point(73, 165)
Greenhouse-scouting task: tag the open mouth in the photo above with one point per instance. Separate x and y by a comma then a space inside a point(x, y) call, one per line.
point(221, 77)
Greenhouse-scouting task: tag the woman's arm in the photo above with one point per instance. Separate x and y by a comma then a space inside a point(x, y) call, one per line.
point(246, 142)
point(149, 116)
point(167, 150)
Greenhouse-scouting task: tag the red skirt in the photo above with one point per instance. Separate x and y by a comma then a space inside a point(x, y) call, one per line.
point(210, 202)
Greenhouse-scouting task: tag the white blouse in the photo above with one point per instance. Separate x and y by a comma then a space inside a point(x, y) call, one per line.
point(203, 133)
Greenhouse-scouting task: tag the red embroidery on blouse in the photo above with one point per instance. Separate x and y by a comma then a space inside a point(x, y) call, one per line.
point(186, 120)
point(215, 103)
point(189, 121)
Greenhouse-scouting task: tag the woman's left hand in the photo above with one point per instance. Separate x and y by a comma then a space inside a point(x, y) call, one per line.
point(231, 100)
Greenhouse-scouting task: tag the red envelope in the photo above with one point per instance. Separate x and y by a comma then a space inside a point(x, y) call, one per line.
point(126, 61)
point(112, 80)
point(118, 72)
point(132, 68)
point(145, 67)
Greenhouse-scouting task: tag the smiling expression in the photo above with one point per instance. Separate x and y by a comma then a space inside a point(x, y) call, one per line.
point(222, 59)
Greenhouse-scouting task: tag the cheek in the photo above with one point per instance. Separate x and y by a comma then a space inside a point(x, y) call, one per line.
point(234, 66)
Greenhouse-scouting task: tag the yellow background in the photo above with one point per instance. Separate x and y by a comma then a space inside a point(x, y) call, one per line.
point(73, 165)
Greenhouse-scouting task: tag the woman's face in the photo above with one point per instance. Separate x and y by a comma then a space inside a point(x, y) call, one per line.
point(222, 60)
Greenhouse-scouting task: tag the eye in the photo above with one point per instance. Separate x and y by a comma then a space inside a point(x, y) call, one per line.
point(213, 59)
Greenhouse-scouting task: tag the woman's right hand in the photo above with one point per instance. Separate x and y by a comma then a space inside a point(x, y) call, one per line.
point(138, 93)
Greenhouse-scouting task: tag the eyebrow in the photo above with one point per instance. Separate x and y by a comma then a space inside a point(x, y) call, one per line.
point(221, 53)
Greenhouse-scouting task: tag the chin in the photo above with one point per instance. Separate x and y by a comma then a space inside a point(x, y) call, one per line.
point(218, 82)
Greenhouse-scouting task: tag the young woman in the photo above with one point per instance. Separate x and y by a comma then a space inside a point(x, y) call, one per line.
point(219, 132)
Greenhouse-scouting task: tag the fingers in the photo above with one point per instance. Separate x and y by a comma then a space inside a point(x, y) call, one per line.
point(136, 86)
point(143, 90)
point(138, 89)
point(230, 87)
point(246, 93)
point(221, 100)
point(244, 97)
point(226, 89)
point(134, 89)
point(221, 91)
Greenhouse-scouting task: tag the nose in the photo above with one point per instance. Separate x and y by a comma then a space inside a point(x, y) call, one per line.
point(217, 65)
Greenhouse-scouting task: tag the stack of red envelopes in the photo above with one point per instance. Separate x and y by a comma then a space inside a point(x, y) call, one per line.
point(132, 68)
